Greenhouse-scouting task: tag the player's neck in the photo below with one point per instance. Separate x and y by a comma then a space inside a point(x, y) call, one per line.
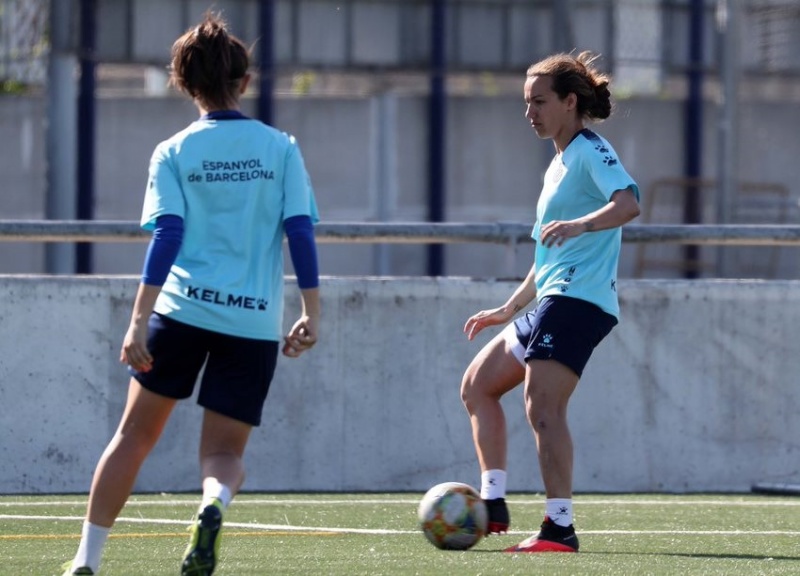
point(205, 110)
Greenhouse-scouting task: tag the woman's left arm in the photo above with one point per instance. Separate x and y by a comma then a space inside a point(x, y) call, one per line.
point(623, 207)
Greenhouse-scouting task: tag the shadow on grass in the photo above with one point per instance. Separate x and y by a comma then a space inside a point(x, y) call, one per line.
point(706, 555)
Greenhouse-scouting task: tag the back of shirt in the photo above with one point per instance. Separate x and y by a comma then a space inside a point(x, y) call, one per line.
point(578, 182)
point(233, 181)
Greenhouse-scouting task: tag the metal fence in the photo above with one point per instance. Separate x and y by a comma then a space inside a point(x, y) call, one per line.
point(643, 41)
point(510, 233)
point(24, 44)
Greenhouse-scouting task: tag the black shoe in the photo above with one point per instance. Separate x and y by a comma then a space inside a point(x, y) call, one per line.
point(203, 550)
point(551, 538)
point(499, 519)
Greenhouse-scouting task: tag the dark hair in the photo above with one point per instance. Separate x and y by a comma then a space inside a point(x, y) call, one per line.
point(576, 74)
point(208, 63)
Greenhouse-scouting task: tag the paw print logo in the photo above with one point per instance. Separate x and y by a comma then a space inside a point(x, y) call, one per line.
point(601, 148)
point(609, 160)
point(261, 304)
point(547, 338)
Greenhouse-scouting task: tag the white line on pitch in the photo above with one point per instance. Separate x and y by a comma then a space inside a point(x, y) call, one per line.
point(251, 526)
point(284, 527)
point(760, 502)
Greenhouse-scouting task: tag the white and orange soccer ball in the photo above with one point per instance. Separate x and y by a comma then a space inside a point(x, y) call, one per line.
point(453, 516)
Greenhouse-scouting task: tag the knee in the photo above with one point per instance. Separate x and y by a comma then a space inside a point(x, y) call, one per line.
point(470, 389)
point(477, 389)
point(136, 445)
point(467, 389)
point(541, 416)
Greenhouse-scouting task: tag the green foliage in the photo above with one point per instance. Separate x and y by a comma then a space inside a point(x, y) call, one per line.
point(13, 87)
point(303, 82)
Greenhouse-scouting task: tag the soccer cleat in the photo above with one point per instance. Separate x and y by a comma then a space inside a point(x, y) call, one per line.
point(499, 518)
point(203, 550)
point(82, 571)
point(551, 538)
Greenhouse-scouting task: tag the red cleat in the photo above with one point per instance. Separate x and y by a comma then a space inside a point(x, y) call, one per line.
point(551, 538)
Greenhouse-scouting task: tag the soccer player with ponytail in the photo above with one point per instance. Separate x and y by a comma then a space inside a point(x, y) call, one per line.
point(586, 197)
point(222, 195)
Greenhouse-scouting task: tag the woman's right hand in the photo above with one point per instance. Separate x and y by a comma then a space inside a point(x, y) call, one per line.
point(134, 348)
point(486, 318)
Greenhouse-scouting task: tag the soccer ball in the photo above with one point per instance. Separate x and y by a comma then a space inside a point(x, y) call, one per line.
point(453, 516)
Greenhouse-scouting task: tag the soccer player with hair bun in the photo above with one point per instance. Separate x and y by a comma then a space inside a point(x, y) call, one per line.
point(586, 197)
point(221, 196)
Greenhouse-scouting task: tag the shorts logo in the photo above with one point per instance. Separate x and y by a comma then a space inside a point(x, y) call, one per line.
point(547, 341)
point(228, 300)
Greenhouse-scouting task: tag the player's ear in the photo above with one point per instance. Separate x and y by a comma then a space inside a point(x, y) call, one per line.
point(244, 83)
point(572, 101)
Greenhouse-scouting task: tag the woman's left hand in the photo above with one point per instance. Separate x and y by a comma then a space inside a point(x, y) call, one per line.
point(556, 232)
point(301, 337)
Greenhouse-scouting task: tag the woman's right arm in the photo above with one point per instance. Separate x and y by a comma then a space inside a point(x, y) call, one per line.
point(161, 254)
point(522, 296)
point(303, 251)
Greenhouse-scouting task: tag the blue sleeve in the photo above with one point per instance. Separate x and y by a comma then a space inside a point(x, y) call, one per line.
point(303, 250)
point(163, 249)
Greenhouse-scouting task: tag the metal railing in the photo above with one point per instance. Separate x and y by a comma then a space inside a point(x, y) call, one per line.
point(418, 232)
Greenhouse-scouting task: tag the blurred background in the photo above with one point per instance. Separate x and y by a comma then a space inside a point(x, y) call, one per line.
point(412, 111)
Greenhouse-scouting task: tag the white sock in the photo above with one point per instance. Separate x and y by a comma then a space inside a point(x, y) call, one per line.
point(214, 490)
point(493, 484)
point(559, 510)
point(90, 550)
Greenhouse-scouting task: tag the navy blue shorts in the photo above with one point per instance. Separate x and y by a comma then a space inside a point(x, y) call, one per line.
point(237, 373)
point(564, 329)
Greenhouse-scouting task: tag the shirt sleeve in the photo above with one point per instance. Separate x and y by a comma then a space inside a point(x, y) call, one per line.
point(164, 194)
point(608, 173)
point(298, 193)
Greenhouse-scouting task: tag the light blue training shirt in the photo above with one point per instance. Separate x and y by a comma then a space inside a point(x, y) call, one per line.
point(233, 180)
point(579, 181)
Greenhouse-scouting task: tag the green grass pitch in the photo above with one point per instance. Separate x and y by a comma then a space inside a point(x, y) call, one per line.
point(377, 534)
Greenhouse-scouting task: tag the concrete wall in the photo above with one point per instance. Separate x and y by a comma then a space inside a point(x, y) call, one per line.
point(494, 169)
point(694, 391)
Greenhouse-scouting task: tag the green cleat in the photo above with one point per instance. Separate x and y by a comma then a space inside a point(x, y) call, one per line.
point(82, 571)
point(203, 550)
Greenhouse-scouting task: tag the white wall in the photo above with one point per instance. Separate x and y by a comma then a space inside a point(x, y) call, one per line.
point(694, 391)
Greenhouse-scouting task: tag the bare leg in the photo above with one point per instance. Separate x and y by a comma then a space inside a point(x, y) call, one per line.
point(141, 425)
point(493, 372)
point(548, 387)
point(222, 446)
point(222, 443)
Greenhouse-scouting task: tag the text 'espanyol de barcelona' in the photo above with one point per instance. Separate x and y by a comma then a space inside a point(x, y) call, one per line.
point(235, 171)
